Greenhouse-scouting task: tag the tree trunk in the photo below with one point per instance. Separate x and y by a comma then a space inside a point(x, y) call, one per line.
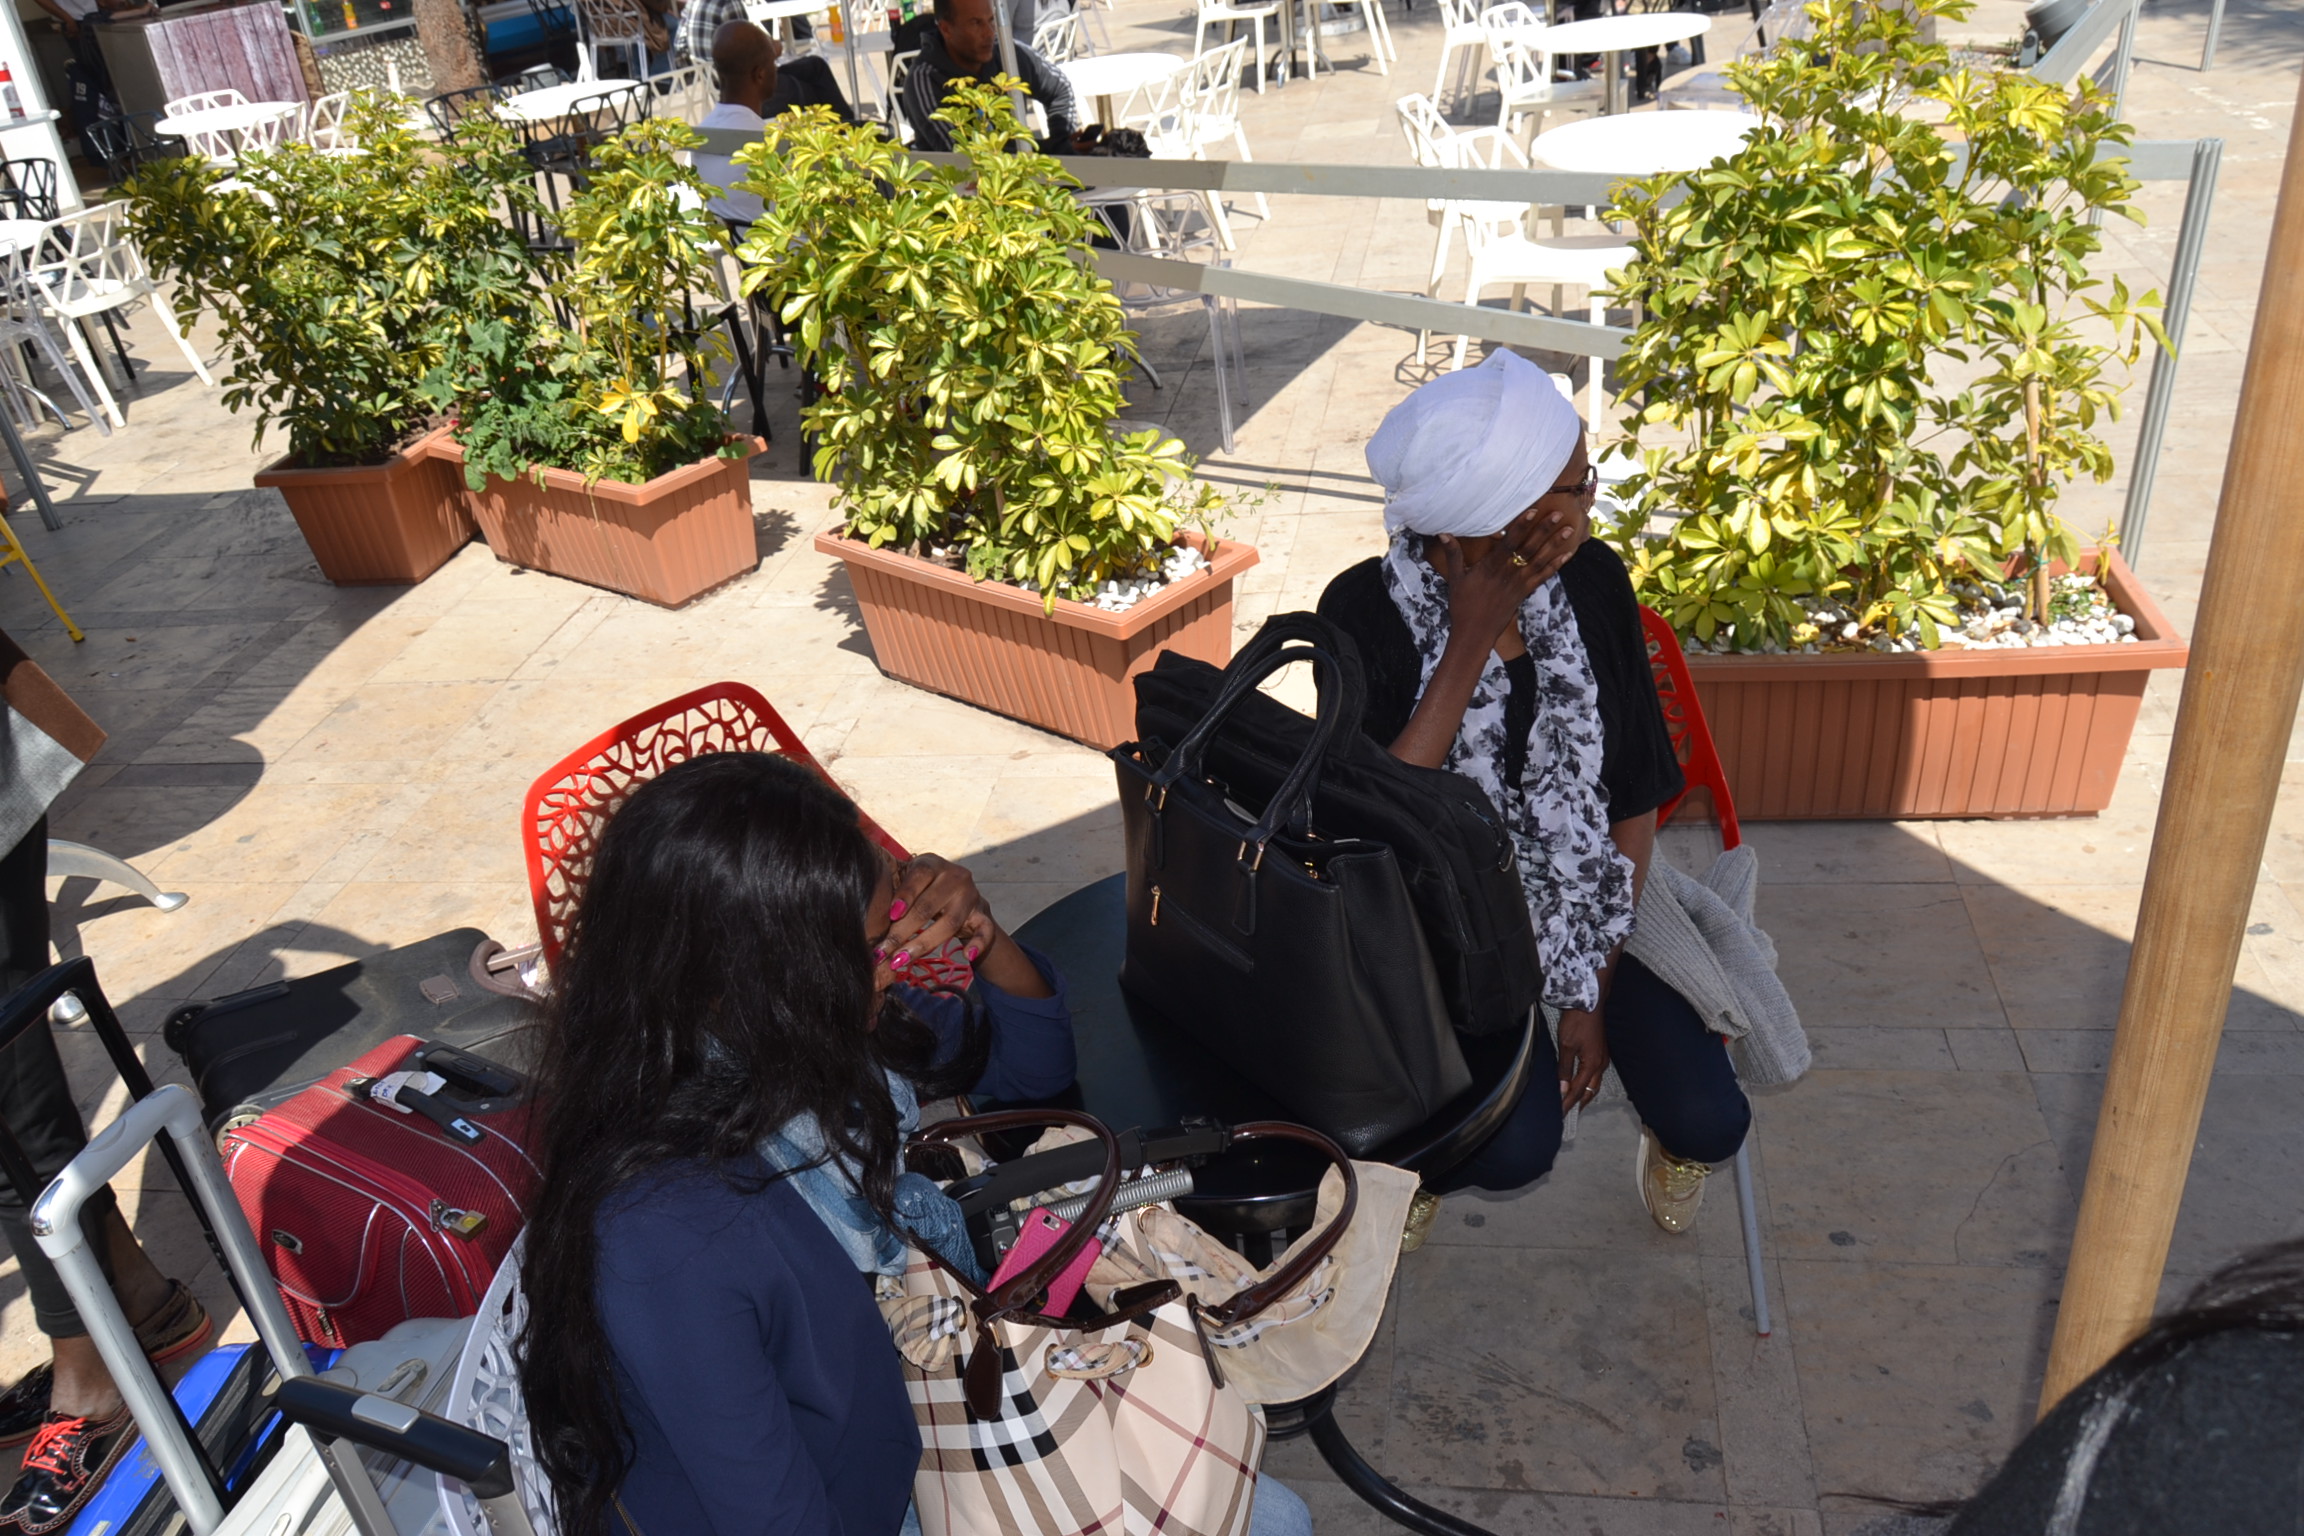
point(450, 46)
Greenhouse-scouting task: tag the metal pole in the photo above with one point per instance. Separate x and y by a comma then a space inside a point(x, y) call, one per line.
point(2215, 26)
point(850, 42)
point(1007, 34)
point(48, 518)
point(2239, 704)
point(2191, 242)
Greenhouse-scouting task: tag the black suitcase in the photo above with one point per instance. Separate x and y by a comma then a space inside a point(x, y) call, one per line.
point(257, 1047)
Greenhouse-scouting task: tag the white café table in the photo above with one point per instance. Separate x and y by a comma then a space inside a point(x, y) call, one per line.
point(1642, 143)
point(772, 14)
point(547, 102)
point(22, 234)
point(1106, 76)
point(229, 121)
point(1614, 36)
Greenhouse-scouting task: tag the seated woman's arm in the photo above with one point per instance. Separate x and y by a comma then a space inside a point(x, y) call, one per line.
point(1032, 1054)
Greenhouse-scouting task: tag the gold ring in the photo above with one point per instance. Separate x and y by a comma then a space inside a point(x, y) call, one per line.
point(1519, 559)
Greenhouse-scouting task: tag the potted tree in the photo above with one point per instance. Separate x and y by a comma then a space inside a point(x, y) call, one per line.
point(1006, 545)
point(1871, 357)
point(334, 281)
point(592, 449)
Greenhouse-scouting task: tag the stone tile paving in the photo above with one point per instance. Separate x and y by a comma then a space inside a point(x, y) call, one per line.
point(331, 772)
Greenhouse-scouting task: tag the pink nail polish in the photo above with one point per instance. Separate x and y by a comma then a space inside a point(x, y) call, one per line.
point(974, 950)
point(879, 951)
point(898, 910)
point(903, 960)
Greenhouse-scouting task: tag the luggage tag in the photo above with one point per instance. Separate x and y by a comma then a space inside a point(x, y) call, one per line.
point(407, 1092)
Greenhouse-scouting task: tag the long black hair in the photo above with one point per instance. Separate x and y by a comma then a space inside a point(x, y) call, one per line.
point(717, 983)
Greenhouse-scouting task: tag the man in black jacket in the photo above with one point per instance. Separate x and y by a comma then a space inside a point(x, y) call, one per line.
point(965, 44)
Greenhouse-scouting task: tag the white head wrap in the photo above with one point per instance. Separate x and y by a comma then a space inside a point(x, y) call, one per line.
point(1470, 451)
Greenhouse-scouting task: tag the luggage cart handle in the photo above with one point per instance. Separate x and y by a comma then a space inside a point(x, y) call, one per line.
point(482, 1463)
point(172, 1112)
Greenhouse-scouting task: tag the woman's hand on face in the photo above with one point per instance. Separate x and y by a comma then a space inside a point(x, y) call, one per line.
point(936, 902)
point(1484, 595)
point(1583, 1057)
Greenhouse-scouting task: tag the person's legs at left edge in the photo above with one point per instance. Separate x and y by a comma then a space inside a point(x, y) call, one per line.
point(1693, 1112)
point(69, 1409)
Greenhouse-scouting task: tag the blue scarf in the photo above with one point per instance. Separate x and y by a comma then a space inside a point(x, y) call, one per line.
point(827, 1180)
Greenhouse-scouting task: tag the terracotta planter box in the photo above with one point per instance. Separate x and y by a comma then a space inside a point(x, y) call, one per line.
point(388, 524)
point(669, 540)
point(995, 645)
point(2033, 732)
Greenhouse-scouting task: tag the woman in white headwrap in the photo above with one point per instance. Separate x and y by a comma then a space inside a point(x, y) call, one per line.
point(1502, 642)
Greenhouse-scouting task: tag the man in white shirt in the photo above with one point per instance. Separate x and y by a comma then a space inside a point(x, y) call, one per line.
point(755, 86)
point(744, 63)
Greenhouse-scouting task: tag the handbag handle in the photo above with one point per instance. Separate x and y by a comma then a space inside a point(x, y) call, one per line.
point(1321, 634)
point(1250, 1300)
point(1291, 804)
point(1017, 1295)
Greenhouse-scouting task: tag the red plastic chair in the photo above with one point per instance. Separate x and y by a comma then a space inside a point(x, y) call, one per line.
point(1691, 737)
point(1700, 762)
point(569, 805)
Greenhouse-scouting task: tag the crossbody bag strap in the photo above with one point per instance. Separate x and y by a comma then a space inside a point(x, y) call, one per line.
point(624, 1514)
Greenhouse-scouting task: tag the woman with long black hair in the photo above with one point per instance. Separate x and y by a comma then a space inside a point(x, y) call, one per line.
point(729, 1065)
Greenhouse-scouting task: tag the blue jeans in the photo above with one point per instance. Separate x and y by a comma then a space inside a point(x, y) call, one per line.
point(1676, 1072)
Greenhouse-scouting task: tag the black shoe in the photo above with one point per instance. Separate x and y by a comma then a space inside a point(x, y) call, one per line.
point(25, 1404)
point(68, 1461)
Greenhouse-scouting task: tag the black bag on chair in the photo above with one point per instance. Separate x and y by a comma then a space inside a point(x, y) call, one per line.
point(1294, 957)
point(1451, 844)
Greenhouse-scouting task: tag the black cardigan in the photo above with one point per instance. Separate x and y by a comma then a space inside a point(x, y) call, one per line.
point(1638, 771)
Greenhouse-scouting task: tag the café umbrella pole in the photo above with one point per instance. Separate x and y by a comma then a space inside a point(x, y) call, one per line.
point(1007, 35)
point(2224, 770)
point(849, 43)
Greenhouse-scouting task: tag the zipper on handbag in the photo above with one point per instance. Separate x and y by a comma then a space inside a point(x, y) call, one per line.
point(1155, 906)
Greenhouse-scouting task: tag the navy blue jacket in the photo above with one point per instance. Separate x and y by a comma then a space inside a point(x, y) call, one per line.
point(762, 1391)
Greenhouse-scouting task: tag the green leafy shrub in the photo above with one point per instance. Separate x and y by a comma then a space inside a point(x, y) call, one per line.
point(971, 358)
point(622, 393)
point(337, 281)
point(1871, 354)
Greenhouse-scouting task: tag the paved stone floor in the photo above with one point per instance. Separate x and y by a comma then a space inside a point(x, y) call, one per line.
point(330, 772)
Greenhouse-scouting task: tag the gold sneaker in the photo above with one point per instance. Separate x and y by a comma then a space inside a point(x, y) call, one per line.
point(1673, 1191)
point(1423, 1210)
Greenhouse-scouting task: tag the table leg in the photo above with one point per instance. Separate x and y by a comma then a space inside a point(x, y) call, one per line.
point(1105, 113)
point(1612, 93)
point(1374, 1489)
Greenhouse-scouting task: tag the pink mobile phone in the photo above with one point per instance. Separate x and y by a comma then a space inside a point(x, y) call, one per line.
point(1040, 1233)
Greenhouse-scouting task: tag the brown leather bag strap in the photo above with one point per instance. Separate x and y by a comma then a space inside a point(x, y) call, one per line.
point(1247, 1302)
point(1016, 1297)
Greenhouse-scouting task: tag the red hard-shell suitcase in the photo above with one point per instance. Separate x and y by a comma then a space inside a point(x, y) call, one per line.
point(370, 1214)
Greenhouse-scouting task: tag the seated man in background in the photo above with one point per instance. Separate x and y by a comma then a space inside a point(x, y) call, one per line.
point(754, 87)
point(966, 45)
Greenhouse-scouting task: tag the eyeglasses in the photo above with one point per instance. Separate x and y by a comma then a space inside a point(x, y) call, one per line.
point(1583, 489)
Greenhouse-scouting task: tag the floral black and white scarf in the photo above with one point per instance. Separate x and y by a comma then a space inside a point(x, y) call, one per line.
point(1579, 886)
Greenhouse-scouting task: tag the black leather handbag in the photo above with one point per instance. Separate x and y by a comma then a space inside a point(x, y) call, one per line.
point(1295, 958)
point(1452, 846)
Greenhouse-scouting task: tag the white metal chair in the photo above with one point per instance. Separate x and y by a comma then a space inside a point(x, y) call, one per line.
point(899, 66)
point(1435, 142)
point(93, 269)
point(22, 325)
point(1206, 113)
point(324, 126)
point(215, 147)
point(1176, 226)
point(1058, 39)
point(1524, 68)
point(1460, 31)
point(1503, 255)
point(683, 91)
point(611, 24)
point(1380, 45)
point(1228, 14)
